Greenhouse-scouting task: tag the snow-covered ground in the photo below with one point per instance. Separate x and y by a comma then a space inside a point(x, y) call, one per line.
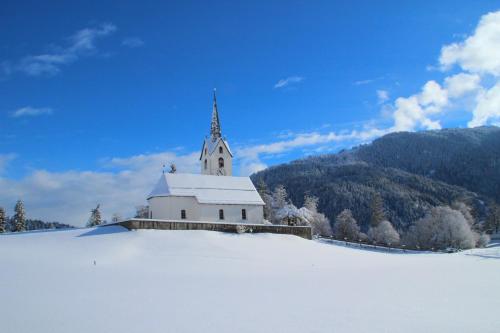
point(201, 281)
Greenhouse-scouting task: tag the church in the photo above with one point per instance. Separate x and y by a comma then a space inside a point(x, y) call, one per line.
point(214, 195)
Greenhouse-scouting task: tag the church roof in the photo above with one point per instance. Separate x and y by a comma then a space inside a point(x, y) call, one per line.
point(208, 189)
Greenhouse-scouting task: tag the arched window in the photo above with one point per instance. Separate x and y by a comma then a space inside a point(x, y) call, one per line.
point(205, 164)
point(221, 162)
point(221, 214)
point(220, 150)
point(205, 151)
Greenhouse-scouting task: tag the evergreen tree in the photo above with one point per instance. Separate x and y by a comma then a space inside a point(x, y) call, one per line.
point(377, 210)
point(19, 217)
point(3, 221)
point(95, 217)
point(266, 197)
point(493, 220)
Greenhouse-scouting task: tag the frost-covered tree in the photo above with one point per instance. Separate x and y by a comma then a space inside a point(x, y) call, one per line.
point(141, 212)
point(345, 226)
point(116, 218)
point(384, 233)
point(95, 217)
point(319, 223)
point(3, 222)
point(19, 217)
point(441, 228)
point(377, 210)
point(311, 203)
point(466, 211)
point(280, 197)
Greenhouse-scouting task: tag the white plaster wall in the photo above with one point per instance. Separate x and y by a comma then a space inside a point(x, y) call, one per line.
point(169, 208)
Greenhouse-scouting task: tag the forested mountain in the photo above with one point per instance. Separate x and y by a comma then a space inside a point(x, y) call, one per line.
point(465, 157)
point(412, 172)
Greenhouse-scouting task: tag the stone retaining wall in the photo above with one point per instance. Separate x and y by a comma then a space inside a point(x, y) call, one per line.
point(304, 232)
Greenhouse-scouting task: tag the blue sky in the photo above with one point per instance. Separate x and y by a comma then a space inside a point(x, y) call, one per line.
point(111, 91)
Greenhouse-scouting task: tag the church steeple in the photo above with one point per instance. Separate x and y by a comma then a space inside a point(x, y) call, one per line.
point(216, 157)
point(215, 124)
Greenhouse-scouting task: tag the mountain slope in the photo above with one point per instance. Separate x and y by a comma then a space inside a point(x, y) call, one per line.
point(411, 171)
point(465, 157)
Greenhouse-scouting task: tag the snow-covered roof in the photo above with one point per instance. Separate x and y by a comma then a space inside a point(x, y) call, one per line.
point(212, 144)
point(208, 189)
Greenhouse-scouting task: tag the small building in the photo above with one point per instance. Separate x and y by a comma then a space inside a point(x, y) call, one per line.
point(212, 196)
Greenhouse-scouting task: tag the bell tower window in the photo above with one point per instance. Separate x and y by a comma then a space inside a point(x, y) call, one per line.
point(220, 150)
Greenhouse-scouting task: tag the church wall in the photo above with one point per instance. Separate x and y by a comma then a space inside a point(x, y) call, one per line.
point(169, 208)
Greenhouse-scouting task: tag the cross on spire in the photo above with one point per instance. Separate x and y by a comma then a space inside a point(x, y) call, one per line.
point(215, 123)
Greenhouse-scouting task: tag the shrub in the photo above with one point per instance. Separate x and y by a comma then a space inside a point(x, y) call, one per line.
point(384, 233)
point(346, 226)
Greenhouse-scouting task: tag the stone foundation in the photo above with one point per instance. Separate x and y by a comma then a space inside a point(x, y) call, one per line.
point(304, 232)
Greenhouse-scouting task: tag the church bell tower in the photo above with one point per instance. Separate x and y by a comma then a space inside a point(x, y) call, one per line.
point(216, 157)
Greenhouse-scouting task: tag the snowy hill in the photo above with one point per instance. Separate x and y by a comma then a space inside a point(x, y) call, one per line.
point(200, 281)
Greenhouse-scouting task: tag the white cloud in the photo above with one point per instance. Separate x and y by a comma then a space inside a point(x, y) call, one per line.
point(288, 81)
point(487, 108)
point(461, 84)
point(80, 44)
point(479, 53)
point(68, 196)
point(30, 111)
point(382, 96)
point(475, 89)
point(5, 159)
point(132, 42)
point(250, 156)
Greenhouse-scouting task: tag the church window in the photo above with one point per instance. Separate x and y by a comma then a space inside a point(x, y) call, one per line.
point(221, 162)
point(243, 214)
point(220, 150)
point(205, 164)
point(221, 214)
point(183, 214)
point(205, 151)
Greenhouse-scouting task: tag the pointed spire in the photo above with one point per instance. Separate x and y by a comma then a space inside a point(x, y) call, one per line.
point(215, 124)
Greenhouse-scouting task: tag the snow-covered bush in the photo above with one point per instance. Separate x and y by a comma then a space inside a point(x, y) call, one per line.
point(319, 223)
point(483, 240)
point(241, 229)
point(442, 228)
point(345, 226)
point(288, 215)
point(384, 233)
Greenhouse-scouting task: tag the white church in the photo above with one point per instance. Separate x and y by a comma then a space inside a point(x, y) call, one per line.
point(212, 196)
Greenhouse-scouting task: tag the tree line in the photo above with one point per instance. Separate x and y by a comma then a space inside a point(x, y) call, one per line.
point(441, 228)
